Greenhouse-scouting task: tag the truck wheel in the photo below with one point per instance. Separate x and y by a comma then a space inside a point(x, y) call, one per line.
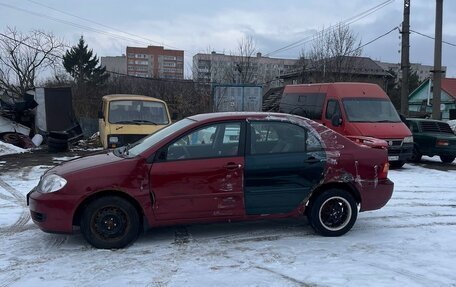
point(447, 158)
point(333, 212)
point(110, 222)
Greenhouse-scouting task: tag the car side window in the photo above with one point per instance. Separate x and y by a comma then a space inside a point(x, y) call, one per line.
point(211, 141)
point(276, 137)
point(312, 142)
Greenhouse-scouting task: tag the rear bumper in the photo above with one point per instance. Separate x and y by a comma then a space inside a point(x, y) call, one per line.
point(375, 194)
point(52, 212)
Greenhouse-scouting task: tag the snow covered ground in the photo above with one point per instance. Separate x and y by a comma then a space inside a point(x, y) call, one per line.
point(410, 242)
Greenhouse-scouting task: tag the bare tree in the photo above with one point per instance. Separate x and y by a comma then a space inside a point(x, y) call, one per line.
point(332, 56)
point(24, 56)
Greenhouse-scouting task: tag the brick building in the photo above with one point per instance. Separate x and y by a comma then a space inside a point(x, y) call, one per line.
point(155, 62)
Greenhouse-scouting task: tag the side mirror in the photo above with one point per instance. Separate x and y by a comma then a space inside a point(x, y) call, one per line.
point(100, 114)
point(336, 120)
point(174, 116)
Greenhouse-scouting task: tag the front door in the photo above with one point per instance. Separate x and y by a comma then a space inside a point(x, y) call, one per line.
point(280, 169)
point(200, 175)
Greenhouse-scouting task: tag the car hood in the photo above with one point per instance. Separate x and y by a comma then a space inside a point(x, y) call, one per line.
point(383, 130)
point(85, 163)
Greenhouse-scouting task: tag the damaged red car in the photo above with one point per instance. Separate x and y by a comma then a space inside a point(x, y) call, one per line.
point(213, 168)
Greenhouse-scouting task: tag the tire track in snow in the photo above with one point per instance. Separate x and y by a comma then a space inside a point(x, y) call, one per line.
point(14, 192)
point(24, 217)
point(11, 279)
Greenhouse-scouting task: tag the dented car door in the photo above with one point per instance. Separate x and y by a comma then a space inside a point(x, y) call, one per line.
point(200, 175)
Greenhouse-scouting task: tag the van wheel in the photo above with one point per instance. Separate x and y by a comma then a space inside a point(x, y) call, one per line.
point(397, 164)
point(333, 212)
point(416, 154)
point(110, 222)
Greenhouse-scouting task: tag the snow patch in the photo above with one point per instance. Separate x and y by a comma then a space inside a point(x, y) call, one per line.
point(6, 148)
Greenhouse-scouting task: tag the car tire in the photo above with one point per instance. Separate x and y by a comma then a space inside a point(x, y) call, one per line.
point(333, 212)
point(57, 145)
point(397, 164)
point(447, 158)
point(416, 155)
point(110, 222)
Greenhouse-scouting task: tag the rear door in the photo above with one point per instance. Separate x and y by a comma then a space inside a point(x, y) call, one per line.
point(280, 167)
point(200, 175)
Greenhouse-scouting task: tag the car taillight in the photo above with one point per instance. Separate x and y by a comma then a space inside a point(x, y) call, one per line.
point(384, 171)
point(442, 143)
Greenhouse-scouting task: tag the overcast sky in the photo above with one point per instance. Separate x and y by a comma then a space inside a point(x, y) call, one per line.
point(210, 25)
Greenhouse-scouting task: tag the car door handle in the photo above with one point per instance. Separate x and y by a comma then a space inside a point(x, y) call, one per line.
point(232, 165)
point(312, 160)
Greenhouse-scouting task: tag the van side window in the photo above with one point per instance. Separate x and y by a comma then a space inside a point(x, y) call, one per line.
point(309, 105)
point(332, 109)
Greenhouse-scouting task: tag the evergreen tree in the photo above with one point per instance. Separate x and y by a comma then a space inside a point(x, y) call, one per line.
point(83, 66)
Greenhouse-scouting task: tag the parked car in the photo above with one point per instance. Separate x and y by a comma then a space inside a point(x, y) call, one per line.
point(431, 138)
point(216, 167)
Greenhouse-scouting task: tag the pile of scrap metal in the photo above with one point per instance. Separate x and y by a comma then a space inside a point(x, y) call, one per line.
point(43, 113)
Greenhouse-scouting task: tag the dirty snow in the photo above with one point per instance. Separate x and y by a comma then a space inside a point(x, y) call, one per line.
point(6, 148)
point(410, 242)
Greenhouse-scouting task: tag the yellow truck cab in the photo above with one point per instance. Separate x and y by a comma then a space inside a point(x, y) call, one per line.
point(124, 118)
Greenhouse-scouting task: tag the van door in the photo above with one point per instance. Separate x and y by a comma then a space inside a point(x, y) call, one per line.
point(333, 118)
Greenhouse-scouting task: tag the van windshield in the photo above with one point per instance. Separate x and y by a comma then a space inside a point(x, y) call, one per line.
point(137, 112)
point(370, 110)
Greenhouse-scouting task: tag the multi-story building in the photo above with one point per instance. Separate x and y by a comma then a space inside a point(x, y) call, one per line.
point(115, 64)
point(219, 68)
point(423, 71)
point(155, 62)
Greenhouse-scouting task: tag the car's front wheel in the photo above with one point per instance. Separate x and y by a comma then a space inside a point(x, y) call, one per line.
point(110, 222)
point(333, 212)
point(447, 158)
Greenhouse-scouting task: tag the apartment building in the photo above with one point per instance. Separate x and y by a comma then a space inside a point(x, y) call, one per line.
point(155, 62)
point(423, 71)
point(115, 64)
point(229, 69)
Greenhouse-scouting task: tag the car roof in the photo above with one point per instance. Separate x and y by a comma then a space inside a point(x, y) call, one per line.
point(424, 120)
point(130, 97)
point(241, 116)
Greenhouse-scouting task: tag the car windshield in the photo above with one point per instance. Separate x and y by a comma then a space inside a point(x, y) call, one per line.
point(137, 112)
point(370, 110)
point(144, 144)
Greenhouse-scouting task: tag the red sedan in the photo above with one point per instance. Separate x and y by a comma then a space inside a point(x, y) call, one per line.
point(216, 167)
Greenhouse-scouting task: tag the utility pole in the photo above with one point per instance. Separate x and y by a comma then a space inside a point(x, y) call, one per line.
point(437, 61)
point(405, 58)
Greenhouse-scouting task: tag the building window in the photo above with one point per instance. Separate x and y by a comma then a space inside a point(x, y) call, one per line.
point(169, 64)
point(170, 58)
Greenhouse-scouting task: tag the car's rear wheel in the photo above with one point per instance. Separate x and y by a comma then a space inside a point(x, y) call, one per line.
point(333, 212)
point(447, 158)
point(110, 222)
point(416, 154)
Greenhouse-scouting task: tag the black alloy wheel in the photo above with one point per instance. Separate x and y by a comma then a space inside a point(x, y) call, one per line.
point(333, 212)
point(110, 222)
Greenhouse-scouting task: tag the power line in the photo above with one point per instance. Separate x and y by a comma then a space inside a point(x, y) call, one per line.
point(124, 38)
point(373, 40)
point(343, 23)
point(430, 37)
point(29, 46)
point(100, 24)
